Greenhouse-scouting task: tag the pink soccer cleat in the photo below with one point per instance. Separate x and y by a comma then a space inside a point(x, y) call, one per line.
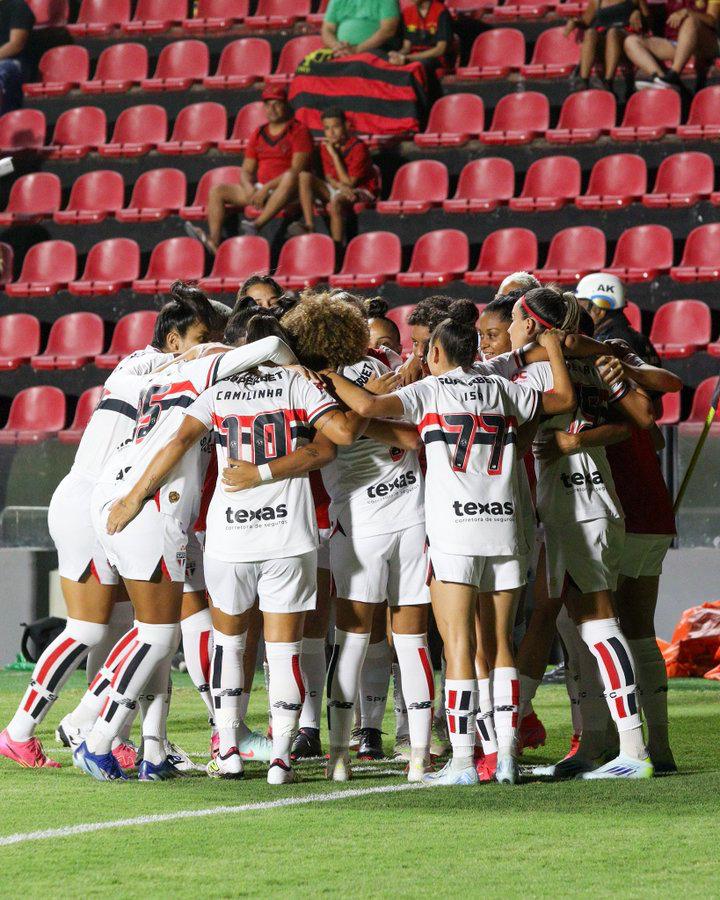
point(28, 754)
point(485, 766)
point(214, 744)
point(126, 755)
point(574, 744)
point(531, 733)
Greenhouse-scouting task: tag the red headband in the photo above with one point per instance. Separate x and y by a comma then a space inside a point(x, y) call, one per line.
point(533, 314)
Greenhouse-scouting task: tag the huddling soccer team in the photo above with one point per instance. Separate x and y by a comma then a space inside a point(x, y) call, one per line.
point(280, 470)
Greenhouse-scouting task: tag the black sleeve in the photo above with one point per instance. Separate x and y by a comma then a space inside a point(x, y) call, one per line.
point(444, 29)
point(21, 16)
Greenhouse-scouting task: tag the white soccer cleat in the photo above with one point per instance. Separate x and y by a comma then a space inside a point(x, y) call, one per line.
point(255, 747)
point(338, 767)
point(228, 765)
point(622, 767)
point(281, 773)
point(418, 768)
point(402, 749)
point(180, 759)
point(440, 743)
point(507, 771)
point(69, 735)
point(447, 776)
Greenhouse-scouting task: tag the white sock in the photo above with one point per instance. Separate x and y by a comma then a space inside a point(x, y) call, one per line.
point(401, 714)
point(52, 670)
point(312, 661)
point(418, 687)
point(461, 702)
point(287, 693)
point(505, 688)
point(485, 725)
point(342, 685)
point(197, 639)
point(227, 687)
point(374, 683)
point(121, 621)
point(653, 690)
point(528, 689)
point(154, 705)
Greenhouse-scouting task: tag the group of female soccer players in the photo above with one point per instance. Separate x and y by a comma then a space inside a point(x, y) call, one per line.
point(278, 467)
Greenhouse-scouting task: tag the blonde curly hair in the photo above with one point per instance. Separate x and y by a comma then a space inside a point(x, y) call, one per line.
point(327, 331)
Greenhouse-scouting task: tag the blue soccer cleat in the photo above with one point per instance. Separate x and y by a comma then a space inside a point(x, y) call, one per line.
point(100, 766)
point(163, 771)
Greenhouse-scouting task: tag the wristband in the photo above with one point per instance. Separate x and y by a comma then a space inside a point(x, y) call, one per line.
point(264, 472)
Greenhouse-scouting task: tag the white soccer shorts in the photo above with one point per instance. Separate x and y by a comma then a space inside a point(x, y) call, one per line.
point(194, 564)
point(486, 573)
point(584, 553)
point(643, 554)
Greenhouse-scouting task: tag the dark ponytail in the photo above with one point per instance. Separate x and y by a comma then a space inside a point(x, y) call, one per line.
point(261, 326)
point(246, 309)
point(551, 309)
point(457, 334)
point(187, 306)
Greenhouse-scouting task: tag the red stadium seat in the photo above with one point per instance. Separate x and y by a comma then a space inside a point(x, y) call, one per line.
point(494, 54)
point(217, 15)
point(242, 62)
point(454, 120)
point(291, 55)
point(682, 180)
point(554, 56)
point(680, 328)
point(47, 267)
point(61, 69)
point(399, 315)
point(704, 117)
point(197, 128)
point(670, 409)
point(221, 175)
point(502, 253)
point(111, 265)
point(317, 17)
point(634, 315)
point(642, 253)
point(77, 132)
point(74, 340)
point(550, 183)
point(133, 332)
point(278, 13)
point(371, 258)
point(6, 258)
point(573, 253)
point(100, 17)
point(249, 117)
point(615, 181)
point(36, 414)
point(518, 119)
point(701, 255)
point(137, 131)
point(584, 116)
point(649, 116)
point(32, 197)
point(438, 257)
point(305, 260)
point(236, 260)
point(19, 340)
point(87, 402)
point(522, 9)
point(484, 184)
point(470, 8)
point(22, 129)
point(93, 197)
point(175, 259)
point(179, 65)
point(417, 187)
point(120, 67)
point(156, 16)
point(49, 13)
point(156, 195)
point(701, 400)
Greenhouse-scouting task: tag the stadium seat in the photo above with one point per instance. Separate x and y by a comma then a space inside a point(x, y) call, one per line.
point(649, 116)
point(437, 257)
point(316, 18)
point(701, 255)
point(77, 132)
point(221, 175)
point(584, 116)
point(278, 13)
point(50, 13)
point(198, 127)
point(550, 183)
point(633, 314)
point(554, 56)
point(111, 265)
point(179, 65)
point(61, 69)
point(93, 197)
point(371, 258)
point(6, 258)
point(417, 187)
point(74, 340)
point(305, 260)
point(522, 9)
point(670, 409)
point(156, 195)
point(87, 402)
point(573, 253)
point(682, 180)
point(454, 120)
point(133, 332)
point(642, 253)
point(22, 129)
point(32, 197)
point(19, 340)
point(249, 117)
point(137, 131)
point(616, 180)
point(47, 267)
point(483, 185)
point(175, 259)
point(291, 55)
point(237, 258)
point(680, 328)
point(701, 400)
point(36, 413)
point(503, 252)
point(399, 315)
point(99, 17)
point(217, 15)
point(518, 119)
point(703, 120)
point(494, 54)
point(120, 67)
point(242, 63)
point(156, 16)
point(470, 8)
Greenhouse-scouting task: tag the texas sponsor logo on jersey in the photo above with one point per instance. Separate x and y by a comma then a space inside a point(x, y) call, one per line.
point(384, 488)
point(582, 479)
point(263, 514)
point(477, 510)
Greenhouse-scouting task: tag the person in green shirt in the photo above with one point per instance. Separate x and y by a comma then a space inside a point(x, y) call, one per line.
point(354, 26)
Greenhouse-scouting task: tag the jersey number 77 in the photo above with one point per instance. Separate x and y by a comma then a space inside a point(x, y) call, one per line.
point(465, 430)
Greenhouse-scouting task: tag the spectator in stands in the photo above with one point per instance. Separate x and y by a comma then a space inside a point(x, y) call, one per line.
point(263, 289)
point(517, 281)
point(354, 26)
point(348, 177)
point(426, 32)
point(275, 156)
point(690, 30)
point(16, 25)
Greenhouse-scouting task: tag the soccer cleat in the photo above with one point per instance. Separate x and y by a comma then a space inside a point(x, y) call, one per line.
point(506, 771)
point(255, 747)
point(447, 776)
point(180, 759)
point(126, 754)
point(531, 733)
point(228, 765)
point(439, 743)
point(354, 739)
point(486, 766)
point(306, 744)
point(162, 771)
point(402, 750)
point(622, 767)
point(570, 767)
point(370, 747)
point(338, 767)
point(100, 766)
point(28, 754)
point(214, 744)
point(418, 768)
point(280, 773)
point(69, 735)
point(574, 746)
point(555, 675)
point(666, 767)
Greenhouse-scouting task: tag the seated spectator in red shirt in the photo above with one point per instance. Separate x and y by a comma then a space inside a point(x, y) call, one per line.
point(275, 156)
point(426, 32)
point(348, 177)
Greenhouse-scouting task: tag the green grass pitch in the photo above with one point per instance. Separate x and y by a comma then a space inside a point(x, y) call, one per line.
point(632, 839)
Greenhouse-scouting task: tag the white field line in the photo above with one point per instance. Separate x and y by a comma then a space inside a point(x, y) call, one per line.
point(88, 827)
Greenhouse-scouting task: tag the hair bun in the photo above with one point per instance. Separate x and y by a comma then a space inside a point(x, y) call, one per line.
point(376, 307)
point(464, 312)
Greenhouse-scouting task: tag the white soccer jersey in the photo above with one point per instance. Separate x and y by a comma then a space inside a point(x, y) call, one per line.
point(373, 488)
point(468, 423)
point(259, 417)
